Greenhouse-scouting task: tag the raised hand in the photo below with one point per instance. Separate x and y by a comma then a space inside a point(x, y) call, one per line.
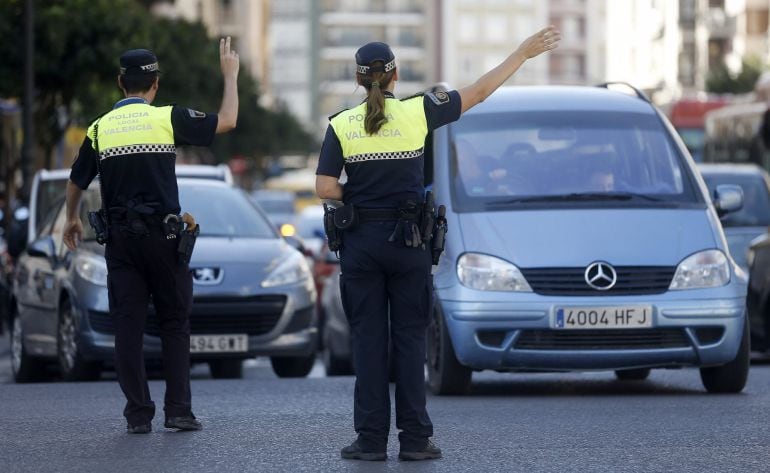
point(228, 59)
point(544, 40)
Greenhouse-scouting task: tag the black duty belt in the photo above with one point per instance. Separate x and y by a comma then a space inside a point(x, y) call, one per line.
point(153, 219)
point(377, 215)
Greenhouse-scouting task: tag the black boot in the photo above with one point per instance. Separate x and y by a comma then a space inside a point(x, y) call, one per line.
point(355, 452)
point(183, 423)
point(430, 452)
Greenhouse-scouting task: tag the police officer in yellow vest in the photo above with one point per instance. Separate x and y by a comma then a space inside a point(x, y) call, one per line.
point(385, 278)
point(133, 149)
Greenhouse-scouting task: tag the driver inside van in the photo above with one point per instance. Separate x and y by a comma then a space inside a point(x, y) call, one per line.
point(481, 175)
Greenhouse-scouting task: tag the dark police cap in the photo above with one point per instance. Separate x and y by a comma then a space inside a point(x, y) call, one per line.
point(373, 52)
point(138, 62)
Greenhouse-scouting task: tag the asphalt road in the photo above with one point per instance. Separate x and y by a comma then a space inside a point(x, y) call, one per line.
point(511, 422)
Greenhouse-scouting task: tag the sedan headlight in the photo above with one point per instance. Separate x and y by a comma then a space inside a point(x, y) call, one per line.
point(292, 270)
point(708, 268)
point(487, 273)
point(91, 268)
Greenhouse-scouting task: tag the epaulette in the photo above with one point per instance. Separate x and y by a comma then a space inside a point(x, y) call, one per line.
point(343, 110)
point(419, 94)
point(91, 121)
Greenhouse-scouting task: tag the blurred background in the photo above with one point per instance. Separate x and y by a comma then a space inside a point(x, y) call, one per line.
point(688, 55)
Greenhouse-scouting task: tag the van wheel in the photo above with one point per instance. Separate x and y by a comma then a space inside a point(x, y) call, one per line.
point(730, 377)
point(639, 374)
point(445, 373)
point(25, 368)
point(72, 366)
point(292, 366)
point(226, 369)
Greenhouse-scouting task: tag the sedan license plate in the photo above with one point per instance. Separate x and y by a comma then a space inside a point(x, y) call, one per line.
point(219, 343)
point(603, 317)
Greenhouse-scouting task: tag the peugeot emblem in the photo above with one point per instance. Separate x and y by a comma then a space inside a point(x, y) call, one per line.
point(208, 276)
point(601, 276)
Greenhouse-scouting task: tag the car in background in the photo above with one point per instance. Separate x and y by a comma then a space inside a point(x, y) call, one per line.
point(253, 294)
point(752, 220)
point(758, 298)
point(309, 226)
point(594, 245)
point(279, 206)
point(335, 331)
point(48, 187)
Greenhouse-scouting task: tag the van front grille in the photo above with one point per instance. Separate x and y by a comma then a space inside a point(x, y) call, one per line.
point(632, 280)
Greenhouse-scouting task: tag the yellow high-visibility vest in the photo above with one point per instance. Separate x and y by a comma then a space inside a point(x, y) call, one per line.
point(134, 128)
point(402, 137)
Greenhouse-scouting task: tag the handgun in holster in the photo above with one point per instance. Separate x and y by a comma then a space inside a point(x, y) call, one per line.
point(98, 222)
point(187, 238)
point(428, 219)
point(333, 233)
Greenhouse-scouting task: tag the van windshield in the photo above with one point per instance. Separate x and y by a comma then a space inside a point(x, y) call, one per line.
point(566, 159)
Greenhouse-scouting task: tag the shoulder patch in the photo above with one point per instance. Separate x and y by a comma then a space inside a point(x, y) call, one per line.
point(195, 113)
point(439, 98)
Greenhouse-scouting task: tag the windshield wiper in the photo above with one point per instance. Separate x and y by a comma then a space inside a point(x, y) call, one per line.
point(576, 197)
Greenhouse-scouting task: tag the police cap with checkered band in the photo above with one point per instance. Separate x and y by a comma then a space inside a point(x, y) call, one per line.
point(138, 62)
point(373, 52)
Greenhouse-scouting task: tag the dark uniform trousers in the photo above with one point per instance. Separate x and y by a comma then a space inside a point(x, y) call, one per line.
point(137, 268)
point(381, 278)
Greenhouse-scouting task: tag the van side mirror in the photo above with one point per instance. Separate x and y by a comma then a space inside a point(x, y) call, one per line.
point(42, 248)
point(728, 198)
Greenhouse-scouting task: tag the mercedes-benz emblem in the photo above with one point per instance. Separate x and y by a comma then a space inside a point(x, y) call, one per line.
point(601, 276)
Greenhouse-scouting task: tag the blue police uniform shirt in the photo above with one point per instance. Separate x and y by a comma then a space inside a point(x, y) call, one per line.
point(149, 175)
point(386, 182)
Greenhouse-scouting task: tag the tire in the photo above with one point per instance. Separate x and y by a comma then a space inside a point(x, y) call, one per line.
point(226, 369)
point(292, 366)
point(72, 366)
point(445, 373)
point(730, 377)
point(336, 366)
point(638, 374)
point(25, 369)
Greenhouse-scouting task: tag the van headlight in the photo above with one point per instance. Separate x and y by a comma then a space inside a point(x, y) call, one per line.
point(708, 268)
point(91, 268)
point(487, 273)
point(292, 270)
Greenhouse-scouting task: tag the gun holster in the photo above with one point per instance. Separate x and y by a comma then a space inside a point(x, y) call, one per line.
point(187, 240)
point(333, 234)
point(98, 222)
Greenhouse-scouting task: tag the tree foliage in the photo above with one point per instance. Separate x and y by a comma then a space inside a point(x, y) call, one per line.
point(77, 46)
point(721, 80)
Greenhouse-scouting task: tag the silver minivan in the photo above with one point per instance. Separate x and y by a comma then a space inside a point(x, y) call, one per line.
point(581, 237)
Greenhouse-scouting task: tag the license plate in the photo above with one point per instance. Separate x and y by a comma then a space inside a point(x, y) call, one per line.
point(219, 343)
point(603, 317)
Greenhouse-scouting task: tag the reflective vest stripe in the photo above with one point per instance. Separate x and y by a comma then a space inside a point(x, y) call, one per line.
point(401, 137)
point(131, 149)
point(138, 125)
point(376, 156)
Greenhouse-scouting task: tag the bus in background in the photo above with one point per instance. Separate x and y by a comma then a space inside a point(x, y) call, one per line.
point(733, 135)
point(687, 116)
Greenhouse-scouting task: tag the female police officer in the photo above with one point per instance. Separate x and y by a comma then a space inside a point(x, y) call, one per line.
point(385, 269)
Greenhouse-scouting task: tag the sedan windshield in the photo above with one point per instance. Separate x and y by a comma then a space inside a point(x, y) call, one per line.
point(224, 211)
point(566, 158)
point(756, 199)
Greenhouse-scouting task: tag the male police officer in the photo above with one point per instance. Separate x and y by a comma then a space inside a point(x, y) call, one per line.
point(132, 148)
